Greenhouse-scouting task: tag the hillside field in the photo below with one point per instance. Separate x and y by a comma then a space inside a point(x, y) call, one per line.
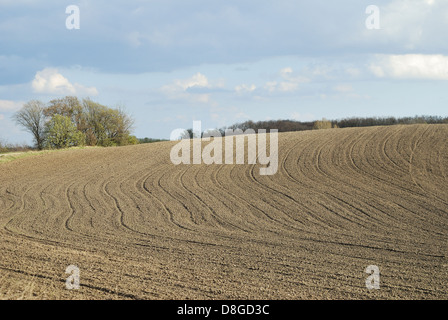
point(139, 227)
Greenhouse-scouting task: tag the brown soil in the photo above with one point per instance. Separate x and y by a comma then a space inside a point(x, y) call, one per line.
point(139, 227)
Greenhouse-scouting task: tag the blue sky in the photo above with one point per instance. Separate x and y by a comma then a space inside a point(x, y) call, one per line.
point(171, 62)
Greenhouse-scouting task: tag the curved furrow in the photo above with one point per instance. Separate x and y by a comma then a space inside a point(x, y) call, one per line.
point(72, 209)
point(278, 206)
point(443, 158)
point(412, 166)
point(339, 180)
point(368, 181)
point(21, 223)
point(409, 165)
point(118, 209)
point(416, 202)
point(282, 199)
point(213, 201)
point(157, 222)
point(18, 206)
point(420, 200)
point(294, 183)
point(162, 218)
point(140, 227)
point(398, 160)
point(201, 213)
point(398, 180)
point(321, 183)
point(79, 208)
point(41, 218)
point(342, 184)
point(261, 208)
point(131, 210)
point(176, 208)
point(240, 211)
point(423, 167)
point(329, 207)
point(337, 185)
point(7, 199)
point(344, 187)
point(162, 203)
point(389, 186)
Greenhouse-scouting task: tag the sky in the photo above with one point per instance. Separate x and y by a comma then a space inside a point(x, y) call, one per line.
point(171, 62)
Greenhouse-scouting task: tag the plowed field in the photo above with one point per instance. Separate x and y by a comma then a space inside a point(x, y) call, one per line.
point(139, 227)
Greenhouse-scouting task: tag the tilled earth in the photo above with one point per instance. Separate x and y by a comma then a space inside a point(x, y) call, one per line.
point(139, 227)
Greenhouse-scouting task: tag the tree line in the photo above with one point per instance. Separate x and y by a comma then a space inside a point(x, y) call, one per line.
point(388, 121)
point(9, 147)
point(68, 122)
point(292, 125)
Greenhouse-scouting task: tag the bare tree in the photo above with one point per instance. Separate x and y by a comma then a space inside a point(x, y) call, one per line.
point(32, 118)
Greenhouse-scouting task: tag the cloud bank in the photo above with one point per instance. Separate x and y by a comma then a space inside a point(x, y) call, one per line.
point(411, 66)
point(50, 81)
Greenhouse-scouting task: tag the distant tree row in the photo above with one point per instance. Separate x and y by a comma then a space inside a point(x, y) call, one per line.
point(9, 147)
point(150, 140)
point(291, 125)
point(324, 124)
point(388, 121)
point(280, 125)
point(68, 122)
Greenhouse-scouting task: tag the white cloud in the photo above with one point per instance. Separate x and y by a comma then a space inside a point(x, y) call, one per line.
point(351, 71)
point(271, 86)
point(184, 89)
point(344, 91)
point(321, 71)
point(243, 88)
point(286, 72)
point(288, 86)
point(9, 106)
point(343, 88)
point(50, 81)
point(302, 117)
point(289, 82)
point(411, 66)
point(2, 117)
point(241, 115)
point(134, 39)
point(198, 81)
point(283, 86)
point(412, 23)
point(182, 85)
